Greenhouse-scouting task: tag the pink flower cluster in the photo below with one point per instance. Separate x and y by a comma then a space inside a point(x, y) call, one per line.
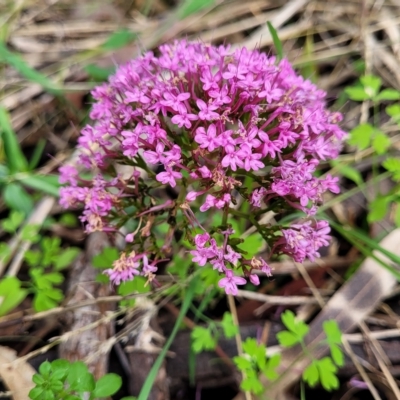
point(221, 126)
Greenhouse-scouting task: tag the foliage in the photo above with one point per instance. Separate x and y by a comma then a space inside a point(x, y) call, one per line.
point(63, 380)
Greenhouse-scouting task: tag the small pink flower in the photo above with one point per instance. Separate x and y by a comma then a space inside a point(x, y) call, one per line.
point(230, 282)
point(129, 238)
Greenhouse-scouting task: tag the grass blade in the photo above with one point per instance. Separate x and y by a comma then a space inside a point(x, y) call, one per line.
point(45, 184)
point(25, 70)
point(148, 384)
point(190, 7)
point(16, 161)
point(276, 40)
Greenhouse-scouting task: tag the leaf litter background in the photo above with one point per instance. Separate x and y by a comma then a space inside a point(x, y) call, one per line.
point(68, 46)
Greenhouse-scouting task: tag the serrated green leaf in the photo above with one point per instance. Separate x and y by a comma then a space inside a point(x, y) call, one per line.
point(243, 363)
point(287, 339)
point(252, 384)
point(250, 346)
point(30, 233)
point(202, 339)
point(380, 142)
point(332, 331)
point(388, 94)
point(13, 222)
point(327, 372)
point(298, 328)
point(361, 136)
point(230, 329)
point(311, 374)
point(41, 302)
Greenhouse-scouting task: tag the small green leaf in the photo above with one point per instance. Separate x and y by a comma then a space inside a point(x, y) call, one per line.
point(41, 302)
point(99, 74)
point(45, 368)
point(35, 393)
point(388, 94)
point(337, 355)
point(356, 93)
point(243, 363)
point(276, 40)
point(332, 331)
point(371, 84)
point(311, 374)
point(106, 258)
point(287, 339)
point(11, 294)
point(348, 172)
point(252, 384)
point(42, 183)
point(252, 245)
point(202, 339)
point(66, 258)
point(13, 222)
point(394, 112)
point(380, 142)
point(107, 385)
point(230, 329)
point(30, 233)
point(361, 136)
point(378, 208)
point(393, 165)
point(250, 346)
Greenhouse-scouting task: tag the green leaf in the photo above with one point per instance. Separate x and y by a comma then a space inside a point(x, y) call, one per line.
point(25, 70)
point(30, 233)
point(371, 84)
point(327, 372)
point(41, 302)
point(119, 39)
point(311, 374)
point(11, 294)
point(106, 258)
point(393, 165)
point(250, 346)
point(337, 355)
point(276, 40)
point(332, 331)
point(16, 160)
point(35, 393)
point(252, 245)
point(190, 7)
point(380, 142)
point(378, 208)
point(287, 339)
point(252, 384)
point(66, 258)
point(107, 385)
point(348, 172)
point(230, 329)
point(69, 220)
point(388, 94)
point(397, 215)
point(13, 222)
point(43, 183)
point(45, 369)
point(243, 363)
point(202, 339)
point(356, 93)
point(361, 136)
point(76, 370)
point(17, 198)
point(394, 112)
point(99, 74)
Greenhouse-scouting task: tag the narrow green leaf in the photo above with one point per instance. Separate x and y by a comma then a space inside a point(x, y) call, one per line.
point(276, 40)
point(16, 198)
point(42, 183)
point(25, 70)
point(388, 94)
point(119, 39)
point(16, 161)
point(190, 7)
point(148, 384)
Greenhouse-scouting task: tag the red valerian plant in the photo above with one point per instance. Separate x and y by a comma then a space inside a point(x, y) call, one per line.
point(222, 127)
